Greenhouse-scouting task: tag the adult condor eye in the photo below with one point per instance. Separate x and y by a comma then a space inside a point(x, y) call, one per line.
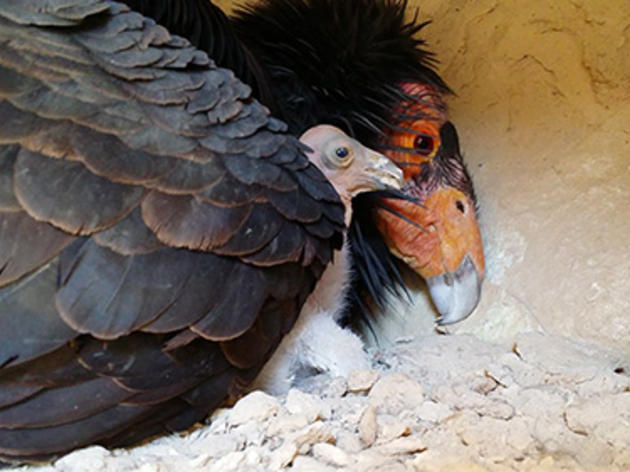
point(424, 144)
point(460, 206)
point(342, 152)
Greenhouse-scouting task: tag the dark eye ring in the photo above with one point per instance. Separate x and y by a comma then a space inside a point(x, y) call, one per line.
point(423, 144)
point(342, 152)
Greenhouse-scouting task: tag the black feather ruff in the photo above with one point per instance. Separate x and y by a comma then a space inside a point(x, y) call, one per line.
point(372, 259)
point(338, 62)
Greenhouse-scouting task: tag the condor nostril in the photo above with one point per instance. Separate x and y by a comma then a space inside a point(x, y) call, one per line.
point(460, 206)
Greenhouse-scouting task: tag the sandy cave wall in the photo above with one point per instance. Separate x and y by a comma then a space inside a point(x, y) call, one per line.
point(543, 113)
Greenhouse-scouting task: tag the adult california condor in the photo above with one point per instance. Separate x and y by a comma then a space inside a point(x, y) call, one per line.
point(359, 64)
point(159, 231)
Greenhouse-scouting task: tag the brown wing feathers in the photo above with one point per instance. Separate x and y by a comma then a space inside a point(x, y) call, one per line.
point(158, 230)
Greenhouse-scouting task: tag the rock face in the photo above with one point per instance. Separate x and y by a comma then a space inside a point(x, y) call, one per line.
point(437, 403)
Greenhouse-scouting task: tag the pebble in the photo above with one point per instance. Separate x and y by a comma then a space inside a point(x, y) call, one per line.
point(283, 456)
point(285, 423)
point(200, 461)
point(391, 427)
point(256, 406)
point(229, 462)
point(360, 381)
point(220, 445)
point(519, 436)
point(368, 427)
point(314, 433)
point(307, 405)
point(299, 442)
point(373, 460)
point(310, 464)
point(331, 454)
point(336, 388)
point(395, 393)
point(604, 416)
point(433, 412)
point(405, 445)
point(90, 458)
point(496, 409)
point(483, 384)
point(348, 441)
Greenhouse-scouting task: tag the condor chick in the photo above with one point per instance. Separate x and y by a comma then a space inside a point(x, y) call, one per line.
point(317, 343)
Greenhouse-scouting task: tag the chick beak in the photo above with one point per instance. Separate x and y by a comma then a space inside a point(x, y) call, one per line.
point(380, 172)
point(444, 247)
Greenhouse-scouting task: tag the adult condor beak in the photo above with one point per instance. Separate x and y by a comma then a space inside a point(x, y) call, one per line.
point(456, 294)
point(441, 241)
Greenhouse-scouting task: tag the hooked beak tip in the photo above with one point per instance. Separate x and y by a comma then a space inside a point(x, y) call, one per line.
point(456, 294)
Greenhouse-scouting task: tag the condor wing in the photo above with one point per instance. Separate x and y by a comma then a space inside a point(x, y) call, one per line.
point(159, 231)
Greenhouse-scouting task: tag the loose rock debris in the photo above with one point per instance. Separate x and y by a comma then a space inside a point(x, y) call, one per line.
point(451, 403)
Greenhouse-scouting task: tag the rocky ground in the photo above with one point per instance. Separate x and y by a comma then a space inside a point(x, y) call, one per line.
point(437, 403)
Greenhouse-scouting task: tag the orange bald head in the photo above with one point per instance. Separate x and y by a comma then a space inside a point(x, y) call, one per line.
point(440, 238)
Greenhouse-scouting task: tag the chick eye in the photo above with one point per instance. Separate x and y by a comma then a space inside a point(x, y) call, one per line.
point(424, 144)
point(342, 152)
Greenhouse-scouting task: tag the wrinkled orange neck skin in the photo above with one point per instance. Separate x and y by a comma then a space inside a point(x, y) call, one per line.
point(449, 234)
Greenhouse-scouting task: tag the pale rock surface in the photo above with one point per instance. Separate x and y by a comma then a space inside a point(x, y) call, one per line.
point(361, 380)
point(329, 454)
point(394, 392)
point(255, 407)
point(368, 427)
